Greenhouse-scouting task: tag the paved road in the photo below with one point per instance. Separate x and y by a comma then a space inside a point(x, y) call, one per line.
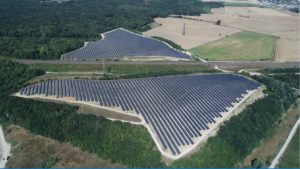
point(223, 64)
point(285, 145)
point(4, 149)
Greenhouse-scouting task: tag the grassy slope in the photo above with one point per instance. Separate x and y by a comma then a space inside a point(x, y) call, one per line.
point(247, 46)
point(119, 69)
point(291, 156)
point(33, 151)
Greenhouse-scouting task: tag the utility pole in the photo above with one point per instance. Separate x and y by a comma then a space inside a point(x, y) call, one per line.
point(183, 31)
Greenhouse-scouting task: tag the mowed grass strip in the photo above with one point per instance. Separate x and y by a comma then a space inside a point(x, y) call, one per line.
point(242, 46)
point(291, 156)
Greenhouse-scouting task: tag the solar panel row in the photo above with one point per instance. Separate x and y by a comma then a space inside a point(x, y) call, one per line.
point(178, 108)
point(121, 43)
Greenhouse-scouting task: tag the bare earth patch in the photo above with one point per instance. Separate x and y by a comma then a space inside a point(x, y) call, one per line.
point(31, 151)
point(85, 109)
point(94, 109)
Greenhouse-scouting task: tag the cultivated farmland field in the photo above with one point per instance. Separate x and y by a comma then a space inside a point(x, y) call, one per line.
point(196, 33)
point(280, 23)
point(246, 46)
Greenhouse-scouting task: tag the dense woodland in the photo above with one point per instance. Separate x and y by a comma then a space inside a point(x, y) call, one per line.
point(280, 70)
point(14, 75)
point(291, 79)
point(289, 76)
point(33, 29)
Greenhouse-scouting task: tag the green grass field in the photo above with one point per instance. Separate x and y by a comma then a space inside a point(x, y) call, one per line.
point(291, 156)
point(242, 46)
point(241, 4)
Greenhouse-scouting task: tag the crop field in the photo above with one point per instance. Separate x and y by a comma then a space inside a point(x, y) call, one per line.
point(120, 43)
point(177, 110)
point(247, 46)
point(196, 33)
point(279, 23)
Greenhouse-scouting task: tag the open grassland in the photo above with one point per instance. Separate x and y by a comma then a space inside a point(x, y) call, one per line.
point(280, 23)
point(246, 46)
point(32, 151)
point(291, 156)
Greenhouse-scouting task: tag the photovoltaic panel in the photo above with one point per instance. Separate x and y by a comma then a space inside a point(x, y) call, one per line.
point(177, 108)
point(120, 43)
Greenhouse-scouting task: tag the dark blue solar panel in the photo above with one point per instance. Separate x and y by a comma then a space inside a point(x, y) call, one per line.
point(177, 108)
point(121, 43)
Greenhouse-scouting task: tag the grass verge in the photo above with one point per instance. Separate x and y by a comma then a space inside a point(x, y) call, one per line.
point(291, 156)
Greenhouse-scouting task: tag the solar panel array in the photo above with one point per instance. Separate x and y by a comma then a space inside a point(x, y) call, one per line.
point(178, 108)
point(121, 43)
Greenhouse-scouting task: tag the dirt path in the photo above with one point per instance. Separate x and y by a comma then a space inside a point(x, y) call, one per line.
point(4, 149)
point(285, 145)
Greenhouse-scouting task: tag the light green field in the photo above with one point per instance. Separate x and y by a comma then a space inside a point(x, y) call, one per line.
point(291, 156)
point(242, 46)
